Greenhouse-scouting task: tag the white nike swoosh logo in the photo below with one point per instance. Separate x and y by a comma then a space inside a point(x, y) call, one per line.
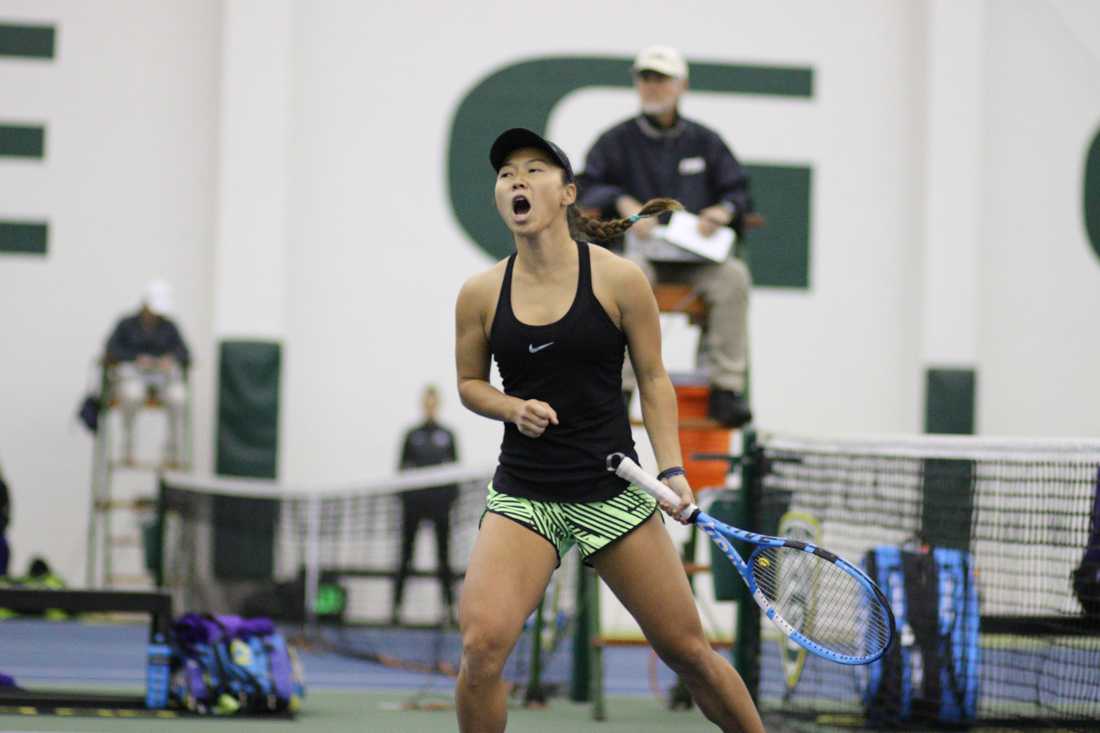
point(536, 349)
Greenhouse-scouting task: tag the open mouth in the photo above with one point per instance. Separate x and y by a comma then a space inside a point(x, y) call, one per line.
point(520, 205)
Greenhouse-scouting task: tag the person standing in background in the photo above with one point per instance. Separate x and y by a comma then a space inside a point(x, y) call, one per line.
point(427, 444)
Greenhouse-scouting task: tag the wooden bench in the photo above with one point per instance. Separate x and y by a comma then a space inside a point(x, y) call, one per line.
point(158, 606)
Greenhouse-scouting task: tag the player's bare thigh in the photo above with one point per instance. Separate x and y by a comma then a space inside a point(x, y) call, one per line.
point(508, 571)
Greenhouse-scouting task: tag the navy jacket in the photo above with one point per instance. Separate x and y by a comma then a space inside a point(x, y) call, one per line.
point(428, 444)
point(130, 339)
point(688, 162)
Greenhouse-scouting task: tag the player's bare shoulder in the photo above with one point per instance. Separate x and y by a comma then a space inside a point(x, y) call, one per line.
point(478, 296)
point(614, 271)
point(616, 281)
point(482, 288)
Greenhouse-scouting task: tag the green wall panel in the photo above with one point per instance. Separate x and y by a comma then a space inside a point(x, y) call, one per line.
point(779, 252)
point(249, 373)
point(949, 401)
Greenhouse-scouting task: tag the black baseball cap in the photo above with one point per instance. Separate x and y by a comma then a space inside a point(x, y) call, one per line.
point(520, 137)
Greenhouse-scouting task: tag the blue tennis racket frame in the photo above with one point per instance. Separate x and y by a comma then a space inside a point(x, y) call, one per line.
point(721, 533)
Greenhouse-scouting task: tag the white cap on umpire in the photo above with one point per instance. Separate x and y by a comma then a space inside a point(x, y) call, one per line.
point(662, 59)
point(158, 297)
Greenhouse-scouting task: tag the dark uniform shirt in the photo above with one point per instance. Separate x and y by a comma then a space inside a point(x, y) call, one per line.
point(575, 365)
point(688, 162)
point(130, 339)
point(429, 444)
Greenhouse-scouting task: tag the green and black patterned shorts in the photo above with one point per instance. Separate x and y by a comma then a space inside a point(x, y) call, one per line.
point(591, 526)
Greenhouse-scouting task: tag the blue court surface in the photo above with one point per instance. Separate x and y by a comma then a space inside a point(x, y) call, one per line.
point(343, 694)
point(351, 695)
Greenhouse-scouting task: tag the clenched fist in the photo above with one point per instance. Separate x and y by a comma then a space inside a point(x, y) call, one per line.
point(533, 416)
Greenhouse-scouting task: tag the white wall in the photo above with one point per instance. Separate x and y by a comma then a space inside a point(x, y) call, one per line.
point(250, 298)
point(127, 185)
point(1040, 279)
point(374, 256)
point(379, 259)
point(955, 116)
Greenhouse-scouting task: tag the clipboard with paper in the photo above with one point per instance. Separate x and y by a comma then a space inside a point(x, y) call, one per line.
point(680, 241)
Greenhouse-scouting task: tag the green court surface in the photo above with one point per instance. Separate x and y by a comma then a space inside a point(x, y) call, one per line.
point(374, 712)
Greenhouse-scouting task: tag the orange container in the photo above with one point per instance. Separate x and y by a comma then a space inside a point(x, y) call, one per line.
point(691, 401)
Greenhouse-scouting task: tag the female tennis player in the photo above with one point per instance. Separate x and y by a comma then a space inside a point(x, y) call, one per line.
point(557, 316)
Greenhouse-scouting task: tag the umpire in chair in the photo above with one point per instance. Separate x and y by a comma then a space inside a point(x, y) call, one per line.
point(660, 153)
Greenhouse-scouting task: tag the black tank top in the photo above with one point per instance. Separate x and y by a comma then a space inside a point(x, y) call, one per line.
point(574, 365)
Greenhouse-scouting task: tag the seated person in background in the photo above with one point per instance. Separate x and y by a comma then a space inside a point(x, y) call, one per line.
point(427, 444)
point(146, 354)
point(657, 154)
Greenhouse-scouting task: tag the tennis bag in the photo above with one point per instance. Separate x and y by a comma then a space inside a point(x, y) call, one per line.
point(931, 671)
point(221, 665)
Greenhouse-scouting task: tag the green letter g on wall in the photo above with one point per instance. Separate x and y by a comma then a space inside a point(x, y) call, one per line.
point(524, 94)
point(1092, 193)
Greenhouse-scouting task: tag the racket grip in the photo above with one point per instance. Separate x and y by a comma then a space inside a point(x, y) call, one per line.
point(625, 468)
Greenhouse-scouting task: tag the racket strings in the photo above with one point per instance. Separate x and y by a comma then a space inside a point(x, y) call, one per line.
point(822, 601)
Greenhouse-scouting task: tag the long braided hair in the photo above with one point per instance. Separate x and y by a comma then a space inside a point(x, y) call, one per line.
point(598, 230)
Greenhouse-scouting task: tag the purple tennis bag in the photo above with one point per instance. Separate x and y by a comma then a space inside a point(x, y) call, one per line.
point(222, 665)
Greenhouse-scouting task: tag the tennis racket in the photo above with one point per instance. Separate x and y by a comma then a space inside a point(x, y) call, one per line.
point(818, 600)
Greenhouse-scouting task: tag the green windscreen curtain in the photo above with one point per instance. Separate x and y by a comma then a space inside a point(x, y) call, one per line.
point(947, 502)
point(247, 445)
point(948, 484)
point(244, 538)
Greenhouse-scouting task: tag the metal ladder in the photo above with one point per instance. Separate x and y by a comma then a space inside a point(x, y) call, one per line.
point(102, 540)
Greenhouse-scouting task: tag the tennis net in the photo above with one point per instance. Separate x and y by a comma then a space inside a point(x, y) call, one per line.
point(325, 560)
point(1022, 514)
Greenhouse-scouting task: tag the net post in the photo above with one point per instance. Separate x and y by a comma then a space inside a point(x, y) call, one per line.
point(158, 530)
point(592, 606)
point(534, 694)
point(186, 440)
point(579, 678)
point(746, 649)
point(313, 561)
point(101, 456)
